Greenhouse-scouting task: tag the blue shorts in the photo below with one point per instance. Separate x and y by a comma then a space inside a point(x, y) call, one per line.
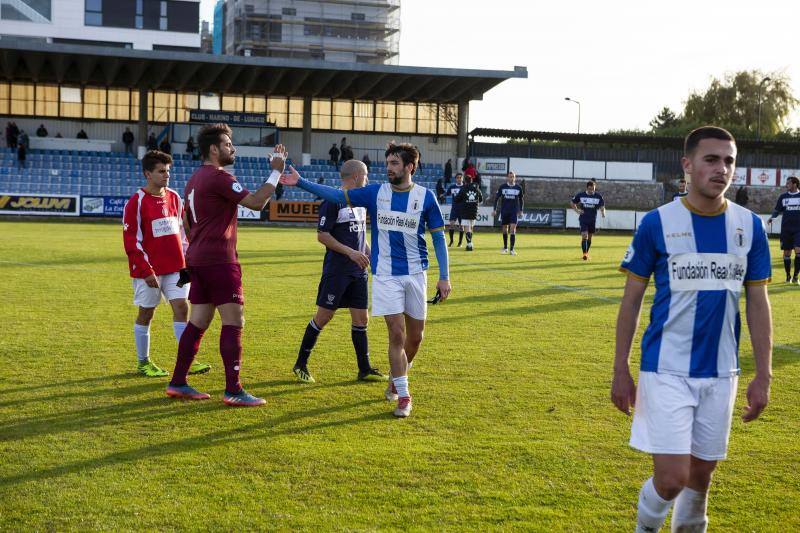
point(587, 227)
point(455, 213)
point(790, 238)
point(336, 292)
point(508, 218)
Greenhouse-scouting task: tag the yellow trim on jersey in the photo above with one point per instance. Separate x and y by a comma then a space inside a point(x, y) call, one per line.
point(696, 211)
point(632, 275)
point(756, 282)
point(398, 189)
point(441, 228)
point(347, 199)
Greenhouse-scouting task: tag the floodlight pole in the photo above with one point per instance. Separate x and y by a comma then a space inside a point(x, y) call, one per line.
point(760, 87)
point(568, 99)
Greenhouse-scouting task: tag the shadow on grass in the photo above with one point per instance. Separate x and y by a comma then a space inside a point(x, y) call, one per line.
point(264, 429)
point(583, 304)
point(71, 382)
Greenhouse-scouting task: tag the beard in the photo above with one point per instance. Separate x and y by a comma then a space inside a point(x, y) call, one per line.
point(395, 179)
point(225, 160)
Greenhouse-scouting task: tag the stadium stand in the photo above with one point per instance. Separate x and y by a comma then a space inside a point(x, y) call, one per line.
point(118, 174)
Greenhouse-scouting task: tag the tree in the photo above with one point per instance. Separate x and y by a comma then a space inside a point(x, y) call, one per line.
point(666, 118)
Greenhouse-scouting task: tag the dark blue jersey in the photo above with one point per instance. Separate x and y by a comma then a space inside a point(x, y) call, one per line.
point(510, 198)
point(788, 206)
point(348, 226)
point(453, 190)
point(589, 204)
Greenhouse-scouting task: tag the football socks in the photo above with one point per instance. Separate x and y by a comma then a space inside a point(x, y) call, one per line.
point(652, 508)
point(361, 345)
point(505, 241)
point(401, 384)
point(230, 348)
point(513, 240)
point(690, 511)
point(141, 335)
point(187, 349)
point(308, 343)
point(787, 265)
point(177, 329)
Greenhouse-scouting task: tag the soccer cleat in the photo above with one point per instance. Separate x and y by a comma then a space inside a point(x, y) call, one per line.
point(242, 399)
point(303, 374)
point(788, 278)
point(513, 252)
point(403, 408)
point(469, 246)
point(391, 392)
point(199, 368)
point(149, 369)
point(186, 392)
point(794, 280)
point(371, 375)
point(505, 251)
point(585, 256)
point(450, 244)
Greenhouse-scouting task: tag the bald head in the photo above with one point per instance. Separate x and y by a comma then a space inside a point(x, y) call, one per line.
point(353, 168)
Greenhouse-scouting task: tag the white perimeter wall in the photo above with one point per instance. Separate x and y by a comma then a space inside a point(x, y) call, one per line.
point(567, 168)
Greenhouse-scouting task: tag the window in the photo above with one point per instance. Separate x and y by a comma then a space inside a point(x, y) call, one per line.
point(384, 116)
point(209, 101)
point(426, 118)
point(22, 97)
point(321, 114)
point(94, 103)
point(357, 16)
point(71, 102)
point(119, 105)
point(232, 102)
point(448, 119)
point(255, 104)
point(364, 116)
point(187, 102)
point(27, 10)
point(275, 29)
point(406, 117)
point(342, 115)
point(162, 21)
point(296, 113)
point(162, 106)
point(291, 11)
point(278, 111)
point(94, 13)
point(139, 14)
point(4, 94)
point(47, 100)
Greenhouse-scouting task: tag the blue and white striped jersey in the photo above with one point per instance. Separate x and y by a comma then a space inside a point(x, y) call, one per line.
point(700, 263)
point(399, 221)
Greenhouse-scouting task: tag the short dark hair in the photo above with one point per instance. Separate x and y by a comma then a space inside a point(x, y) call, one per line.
point(591, 183)
point(154, 157)
point(794, 179)
point(211, 135)
point(460, 174)
point(682, 180)
point(705, 132)
point(405, 151)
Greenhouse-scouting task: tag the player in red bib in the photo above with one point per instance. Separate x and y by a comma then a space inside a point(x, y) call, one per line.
point(212, 198)
point(154, 241)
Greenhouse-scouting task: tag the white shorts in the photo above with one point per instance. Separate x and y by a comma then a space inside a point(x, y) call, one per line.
point(145, 296)
point(680, 415)
point(392, 295)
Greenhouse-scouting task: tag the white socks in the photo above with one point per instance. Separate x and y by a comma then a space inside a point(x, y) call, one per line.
point(689, 515)
point(652, 509)
point(401, 384)
point(177, 328)
point(141, 334)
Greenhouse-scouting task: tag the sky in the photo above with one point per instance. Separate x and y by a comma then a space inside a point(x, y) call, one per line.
point(623, 60)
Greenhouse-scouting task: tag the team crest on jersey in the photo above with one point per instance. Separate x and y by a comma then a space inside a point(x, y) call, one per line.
point(331, 298)
point(740, 237)
point(236, 186)
point(322, 220)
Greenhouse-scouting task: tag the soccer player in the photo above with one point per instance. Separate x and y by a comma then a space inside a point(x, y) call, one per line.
point(586, 204)
point(510, 208)
point(400, 212)
point(154, 240)
point(455, 209)
point(681, 189)
point(788, 206)
point(342, 230)
point(470, 197)
point(703, 251)
point(212, 196)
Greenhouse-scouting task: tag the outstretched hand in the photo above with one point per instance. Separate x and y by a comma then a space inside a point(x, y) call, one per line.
point(444, 288)
point(291, 179)
point(278, 159)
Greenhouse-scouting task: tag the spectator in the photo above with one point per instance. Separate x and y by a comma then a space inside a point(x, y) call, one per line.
point(82, 134)
point(127, 139)
point(41, 131)
point(334, 156)
point(190, 147)
point(448, 172)
point(465, 165)
point(347, 153)
point(21, 155)
point(152, 143)
point(58, 135)
point(9, 135)
point(24, 140)
point(14, 134)
point(440, 190)
point(165, 146)
point(742, 197)
point(366, 160)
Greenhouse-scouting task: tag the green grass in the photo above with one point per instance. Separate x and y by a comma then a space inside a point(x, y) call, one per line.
point(512, 426)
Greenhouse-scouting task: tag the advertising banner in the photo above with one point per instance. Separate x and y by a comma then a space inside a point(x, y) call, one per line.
point(229, 117)
point(484, 215)
point(103, 206)
point(491, 166)
point(249, 214)
point(542, 218)
point(763, 177)
point(39, 204)
point(294, 211)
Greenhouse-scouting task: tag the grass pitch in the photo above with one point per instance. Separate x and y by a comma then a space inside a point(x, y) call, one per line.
point(512, 425)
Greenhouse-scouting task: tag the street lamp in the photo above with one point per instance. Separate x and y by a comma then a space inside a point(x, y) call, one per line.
point(568, 99)
point(760, 87)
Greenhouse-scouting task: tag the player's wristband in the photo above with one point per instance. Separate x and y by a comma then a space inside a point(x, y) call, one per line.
point(273, 178)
